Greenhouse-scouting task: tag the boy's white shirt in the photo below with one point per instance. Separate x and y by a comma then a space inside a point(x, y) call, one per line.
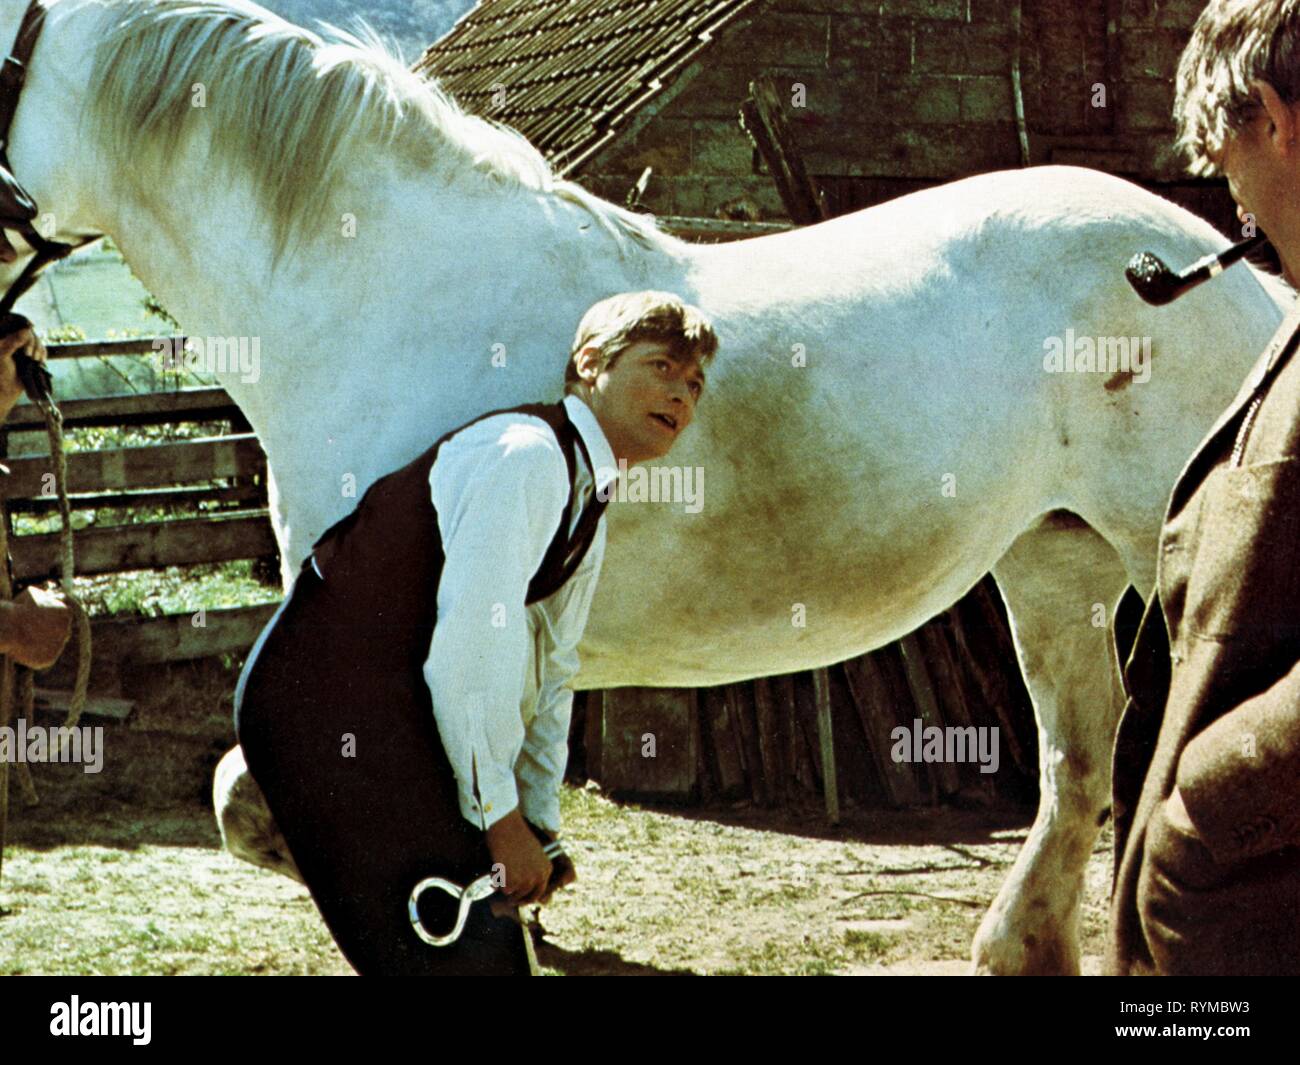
point(499, 672)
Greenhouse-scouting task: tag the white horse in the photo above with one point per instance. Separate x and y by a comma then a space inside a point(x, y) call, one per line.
point(879, 429)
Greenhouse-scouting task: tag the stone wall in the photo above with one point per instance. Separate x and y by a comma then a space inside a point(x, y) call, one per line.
point(901, 94)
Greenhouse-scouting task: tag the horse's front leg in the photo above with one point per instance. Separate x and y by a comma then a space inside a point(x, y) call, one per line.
point(1060, 581)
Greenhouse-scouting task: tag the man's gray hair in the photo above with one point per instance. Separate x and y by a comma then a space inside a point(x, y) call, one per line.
point(1234, 43)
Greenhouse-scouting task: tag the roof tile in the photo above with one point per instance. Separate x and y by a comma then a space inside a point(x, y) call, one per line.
point(570, 67)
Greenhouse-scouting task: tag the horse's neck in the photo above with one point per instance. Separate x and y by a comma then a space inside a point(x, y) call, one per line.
point(414, 272)
point(423, 283)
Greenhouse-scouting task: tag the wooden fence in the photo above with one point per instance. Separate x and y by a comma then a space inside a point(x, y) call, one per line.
point(227, 474)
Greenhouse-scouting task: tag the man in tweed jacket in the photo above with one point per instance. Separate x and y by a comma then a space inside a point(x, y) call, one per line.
point(1207, 760)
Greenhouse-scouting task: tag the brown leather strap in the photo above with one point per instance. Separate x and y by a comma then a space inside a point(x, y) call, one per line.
point(13, 74)
point(17, 207)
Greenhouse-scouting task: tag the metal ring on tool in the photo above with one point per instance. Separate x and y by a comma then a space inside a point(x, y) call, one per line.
point(479, 889)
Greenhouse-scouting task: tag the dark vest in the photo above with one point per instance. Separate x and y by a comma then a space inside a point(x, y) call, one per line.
point(383, 562)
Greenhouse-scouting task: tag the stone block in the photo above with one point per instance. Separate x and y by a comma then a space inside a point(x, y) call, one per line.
point(1179, 14)
point(943, 48)
point(1151, 53)
point(719, 146)
point(778, 39)
point(928, 9)
point(919, 99)
point(987, 98)
point(665, 144)
point(872, 44)
point(701, 197)
point(1146, 105)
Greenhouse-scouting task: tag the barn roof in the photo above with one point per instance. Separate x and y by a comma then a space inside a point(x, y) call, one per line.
point(574, 72)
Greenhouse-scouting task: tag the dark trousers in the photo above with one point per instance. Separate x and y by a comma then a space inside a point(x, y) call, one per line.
point(343, 742)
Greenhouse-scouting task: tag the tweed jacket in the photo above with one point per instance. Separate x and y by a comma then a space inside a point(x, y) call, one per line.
point(1212, 678)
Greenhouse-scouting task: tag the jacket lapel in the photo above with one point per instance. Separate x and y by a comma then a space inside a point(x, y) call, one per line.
point(1206, 455)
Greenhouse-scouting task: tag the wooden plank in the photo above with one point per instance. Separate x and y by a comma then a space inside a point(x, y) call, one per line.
point(593, 737)
point(728, 764)
point(927, 706)
point(805, 698)
point(105, 706)
point(826, 738)
point(208, 459)
point(151, 545)
point(710, 779)
point(244, 493)
point(741, 722)
point(986, 648)
point(944, 672)
point(95, 349)
point(8, 689)
point(802, 776)
point(950, 687)
point(771, 747)
point(648, 749)
point(879, 714)
point(137, 408)
point(719, 229)
point(763, 118)
point(178, 637)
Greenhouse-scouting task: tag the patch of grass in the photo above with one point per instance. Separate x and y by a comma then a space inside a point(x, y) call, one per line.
point(176, 590)
point(864, 943)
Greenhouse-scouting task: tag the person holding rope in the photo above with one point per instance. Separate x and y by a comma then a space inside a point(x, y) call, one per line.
point(406, 713)
point(1207, 758)
point(35, 624)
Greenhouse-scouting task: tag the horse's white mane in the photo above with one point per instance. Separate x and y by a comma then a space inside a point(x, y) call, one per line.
point(294, 108)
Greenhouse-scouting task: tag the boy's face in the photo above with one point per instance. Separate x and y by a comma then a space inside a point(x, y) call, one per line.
point(644, 400)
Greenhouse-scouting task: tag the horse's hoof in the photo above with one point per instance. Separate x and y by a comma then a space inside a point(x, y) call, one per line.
point(248, 830)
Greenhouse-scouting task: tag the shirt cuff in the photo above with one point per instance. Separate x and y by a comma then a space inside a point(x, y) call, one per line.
point(541, 810)
point(499, 795)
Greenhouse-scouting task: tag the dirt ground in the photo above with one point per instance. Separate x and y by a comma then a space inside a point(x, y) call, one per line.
point(122, 872)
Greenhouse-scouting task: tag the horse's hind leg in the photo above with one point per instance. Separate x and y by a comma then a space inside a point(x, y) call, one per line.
point(1060, 581)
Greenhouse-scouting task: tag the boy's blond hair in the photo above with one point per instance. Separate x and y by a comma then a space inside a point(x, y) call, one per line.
point(1233, 43)
point(616, 323)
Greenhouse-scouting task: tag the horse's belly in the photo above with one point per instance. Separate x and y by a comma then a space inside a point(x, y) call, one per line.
point(754, 606)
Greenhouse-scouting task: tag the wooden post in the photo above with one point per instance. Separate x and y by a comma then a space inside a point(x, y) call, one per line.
point(762, 117)
point(7, 691)
point(880, 714)
point(822, 690)
point(770, 742)
point(927, 706)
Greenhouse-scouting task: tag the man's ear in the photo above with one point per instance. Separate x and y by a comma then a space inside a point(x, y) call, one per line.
point(1284, 118)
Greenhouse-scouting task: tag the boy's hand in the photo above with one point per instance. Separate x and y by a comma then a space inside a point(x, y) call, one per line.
point(562, 871)
point(11, 388)
point(562, 875)
point(34, 628)
point(528, 871)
